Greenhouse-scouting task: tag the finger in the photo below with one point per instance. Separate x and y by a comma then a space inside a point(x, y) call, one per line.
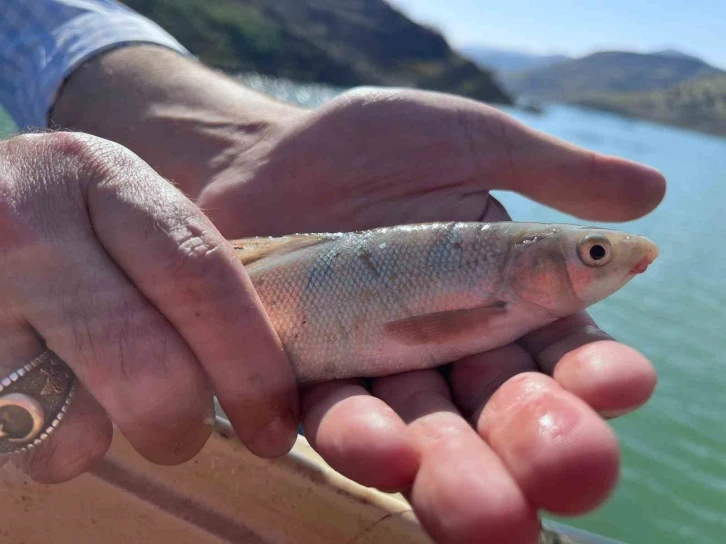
point(65, 286)
point(475, 379)
point(83, 437)
point(183, 265)
point(462, 492)
point(77, 445)
point(127, 355)
point(558, 174)
point(359, 435)
point(611, 377)
point(561, 453)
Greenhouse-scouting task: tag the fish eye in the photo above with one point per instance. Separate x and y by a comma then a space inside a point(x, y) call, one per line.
point(595, 250)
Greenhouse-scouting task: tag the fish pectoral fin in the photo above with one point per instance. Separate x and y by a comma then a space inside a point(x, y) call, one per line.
point(443, 327)
point(250, 250)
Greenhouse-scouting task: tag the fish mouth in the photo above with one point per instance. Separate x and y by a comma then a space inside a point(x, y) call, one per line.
point(651, 255)
point(642, 266)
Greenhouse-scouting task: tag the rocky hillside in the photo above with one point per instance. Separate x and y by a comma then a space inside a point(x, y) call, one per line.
point(341, 42)
point(505, 60)
point(698, 104)
point(667, 87)
point(613, 71)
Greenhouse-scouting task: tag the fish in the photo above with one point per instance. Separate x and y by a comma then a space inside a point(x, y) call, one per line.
point(393, 299)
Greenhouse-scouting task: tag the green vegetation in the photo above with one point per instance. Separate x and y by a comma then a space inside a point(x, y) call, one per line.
point(699, 104)
point(341, 42)
point(606, 71)
point(664, 87)
point(7, 127)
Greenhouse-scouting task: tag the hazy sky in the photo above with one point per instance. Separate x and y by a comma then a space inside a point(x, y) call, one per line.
point(580, 26)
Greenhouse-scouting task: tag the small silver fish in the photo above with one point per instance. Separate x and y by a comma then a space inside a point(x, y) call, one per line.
point(388, 300)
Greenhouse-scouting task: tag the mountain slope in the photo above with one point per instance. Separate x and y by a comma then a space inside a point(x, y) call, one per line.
point(341, 42)
point(504, 60)
point(674, 53)
point(698, 104)
point(606, 71)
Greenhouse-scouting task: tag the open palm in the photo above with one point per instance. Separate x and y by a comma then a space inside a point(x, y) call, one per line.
point(480, 445)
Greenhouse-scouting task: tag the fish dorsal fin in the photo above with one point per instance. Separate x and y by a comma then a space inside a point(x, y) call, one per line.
point(251, 250)
point(444, 327)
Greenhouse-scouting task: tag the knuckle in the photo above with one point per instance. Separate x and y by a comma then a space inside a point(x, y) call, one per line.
point(99, 161)
point(37, 191)
point(52, 151)
point(196, 248)
point(83, 157)
point(74, 146)
point(196, 244)
point(108, 159)
point(66, 144)
point(62, 142)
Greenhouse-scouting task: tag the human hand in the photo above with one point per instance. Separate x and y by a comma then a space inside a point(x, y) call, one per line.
point(481, 447)
point(113, 269)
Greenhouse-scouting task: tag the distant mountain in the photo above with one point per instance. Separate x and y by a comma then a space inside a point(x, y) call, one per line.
point(698, 104)
point(341, 42)
point(606, 71)
point(502, 60)
point(666, 86)
point(674, 53)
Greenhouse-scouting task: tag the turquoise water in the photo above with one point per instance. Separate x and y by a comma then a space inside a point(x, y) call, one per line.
point(673, 487)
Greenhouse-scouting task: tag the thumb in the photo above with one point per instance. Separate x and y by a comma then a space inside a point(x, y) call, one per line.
point(573, 180)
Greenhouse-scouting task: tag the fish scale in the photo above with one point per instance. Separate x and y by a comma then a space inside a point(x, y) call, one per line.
point(393, 299)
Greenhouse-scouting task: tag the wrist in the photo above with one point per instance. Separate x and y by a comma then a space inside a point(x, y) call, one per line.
point(178, 115)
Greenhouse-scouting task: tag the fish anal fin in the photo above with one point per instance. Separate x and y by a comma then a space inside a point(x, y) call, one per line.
point(250, 250)
point(443, 327)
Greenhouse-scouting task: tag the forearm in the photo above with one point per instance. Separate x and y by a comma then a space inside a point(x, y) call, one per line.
point(42, 42)
point(154, 100)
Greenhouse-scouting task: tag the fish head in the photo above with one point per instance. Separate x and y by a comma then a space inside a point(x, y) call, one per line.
point(566, 268)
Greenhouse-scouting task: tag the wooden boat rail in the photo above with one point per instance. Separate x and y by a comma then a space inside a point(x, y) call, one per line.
point(224, 495)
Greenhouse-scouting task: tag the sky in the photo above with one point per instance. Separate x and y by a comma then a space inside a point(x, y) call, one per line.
point(578, 27)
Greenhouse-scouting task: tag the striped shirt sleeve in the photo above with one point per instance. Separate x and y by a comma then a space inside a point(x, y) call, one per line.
point(43, 41)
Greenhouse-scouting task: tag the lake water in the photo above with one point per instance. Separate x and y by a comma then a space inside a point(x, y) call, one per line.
point(674, 464)
point(673, 487)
